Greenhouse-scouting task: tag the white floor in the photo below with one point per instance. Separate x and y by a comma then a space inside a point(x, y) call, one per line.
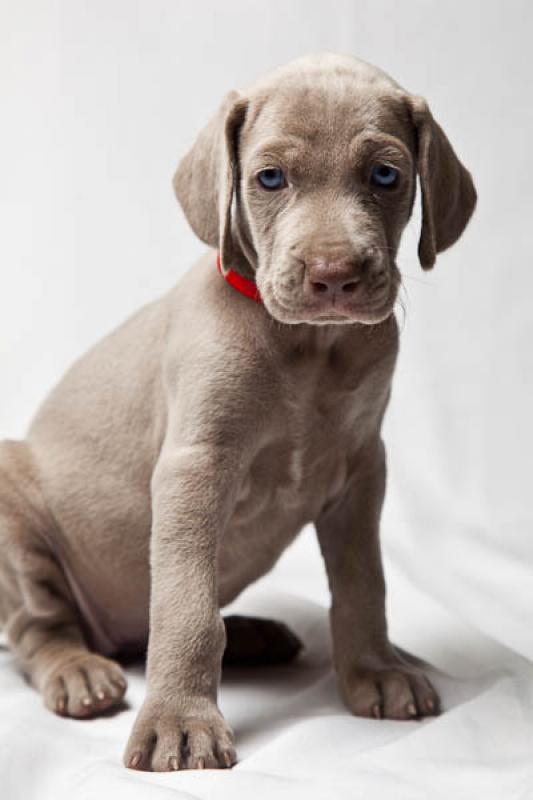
point(294, 738)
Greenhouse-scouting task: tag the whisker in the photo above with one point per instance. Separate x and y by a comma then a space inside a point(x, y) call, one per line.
point(418, 280)
point(403, 301)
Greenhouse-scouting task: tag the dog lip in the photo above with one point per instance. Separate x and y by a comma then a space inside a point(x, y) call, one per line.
point(375, 308)
point(331, 317)
point(345, 311)
point(369, 314)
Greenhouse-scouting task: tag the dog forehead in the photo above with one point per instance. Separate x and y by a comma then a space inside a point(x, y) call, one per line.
point(326, 108)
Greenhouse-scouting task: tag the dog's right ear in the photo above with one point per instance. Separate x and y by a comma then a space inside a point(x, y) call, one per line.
point(205, 179)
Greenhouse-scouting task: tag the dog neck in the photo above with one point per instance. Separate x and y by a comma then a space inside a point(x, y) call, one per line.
point(306, 338)
point(241, 283)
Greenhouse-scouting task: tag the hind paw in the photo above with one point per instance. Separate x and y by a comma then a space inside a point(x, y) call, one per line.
point(84, 686)
point(254, 641)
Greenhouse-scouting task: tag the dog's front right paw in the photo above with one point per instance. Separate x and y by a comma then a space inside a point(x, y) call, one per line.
point(164, 739)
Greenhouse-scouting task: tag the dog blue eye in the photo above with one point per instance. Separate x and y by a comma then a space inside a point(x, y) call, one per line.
point(383, 175)
point(271, 179)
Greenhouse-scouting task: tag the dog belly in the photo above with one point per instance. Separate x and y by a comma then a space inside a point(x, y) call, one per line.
point(115, 613)
point(114, 602)
point(249, 552)
point(285, 490)
point(106, 562)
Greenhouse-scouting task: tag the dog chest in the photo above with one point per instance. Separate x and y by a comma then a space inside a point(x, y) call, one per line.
point(303, 464)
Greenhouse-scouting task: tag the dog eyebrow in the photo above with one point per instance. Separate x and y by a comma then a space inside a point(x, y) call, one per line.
point(286, 148)
point(369, 140)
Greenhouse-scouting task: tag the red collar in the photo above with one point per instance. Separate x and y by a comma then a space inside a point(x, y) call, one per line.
point(243, 285)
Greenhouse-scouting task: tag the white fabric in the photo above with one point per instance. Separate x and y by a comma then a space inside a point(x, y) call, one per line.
point(295, 739)
point(98, 101)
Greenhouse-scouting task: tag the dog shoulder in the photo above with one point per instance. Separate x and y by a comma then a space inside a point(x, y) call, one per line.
point(218, 340)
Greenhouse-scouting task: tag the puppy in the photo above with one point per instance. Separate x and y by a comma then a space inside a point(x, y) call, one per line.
point(177, 459)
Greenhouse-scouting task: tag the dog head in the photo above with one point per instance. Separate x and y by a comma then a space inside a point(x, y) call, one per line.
point(309, 179)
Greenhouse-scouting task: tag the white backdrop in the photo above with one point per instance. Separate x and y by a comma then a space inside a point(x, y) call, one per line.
point(98, 102)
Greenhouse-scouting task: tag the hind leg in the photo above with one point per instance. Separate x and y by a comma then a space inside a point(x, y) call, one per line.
point(37, 610)
point(254, 641)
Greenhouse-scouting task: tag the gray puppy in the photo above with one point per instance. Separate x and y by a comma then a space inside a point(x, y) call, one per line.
point(180, 456)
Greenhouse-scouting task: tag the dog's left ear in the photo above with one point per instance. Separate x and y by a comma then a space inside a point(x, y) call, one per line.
point(448, 192)
point(205, 179)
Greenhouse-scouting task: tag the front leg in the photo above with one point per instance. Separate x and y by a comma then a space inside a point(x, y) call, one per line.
point(374, 679)
point(179, 725)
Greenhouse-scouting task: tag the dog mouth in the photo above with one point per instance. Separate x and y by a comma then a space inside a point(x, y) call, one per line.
point(339, 308)
point(334, 310)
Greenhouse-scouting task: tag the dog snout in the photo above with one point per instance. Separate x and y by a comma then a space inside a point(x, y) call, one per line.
point(342, 277)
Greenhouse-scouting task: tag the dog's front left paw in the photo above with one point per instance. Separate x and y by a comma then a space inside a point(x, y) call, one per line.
point(164, 739)
point(393, 691)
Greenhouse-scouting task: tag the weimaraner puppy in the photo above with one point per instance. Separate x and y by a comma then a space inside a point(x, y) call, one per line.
point(178, 458)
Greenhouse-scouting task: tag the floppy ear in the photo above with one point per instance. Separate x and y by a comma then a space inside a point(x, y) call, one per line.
point(204, 182)
point(448, 193)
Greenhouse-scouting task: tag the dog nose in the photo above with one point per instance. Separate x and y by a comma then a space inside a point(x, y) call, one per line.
point(340, 276)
